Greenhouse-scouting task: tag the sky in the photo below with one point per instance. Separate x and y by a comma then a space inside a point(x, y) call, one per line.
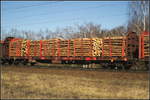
point(36, 15)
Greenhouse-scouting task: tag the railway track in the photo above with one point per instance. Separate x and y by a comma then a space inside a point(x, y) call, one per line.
point(77, 68)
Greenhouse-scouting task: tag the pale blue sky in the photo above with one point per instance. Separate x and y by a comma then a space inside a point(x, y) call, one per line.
point(35, 15)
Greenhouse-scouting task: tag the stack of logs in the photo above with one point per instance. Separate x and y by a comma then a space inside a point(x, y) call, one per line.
point(15, 48)
point(23, 47)
point(146, 45)
point(88, 46)
point(114, 46)
point(72, 47)
point(40, 47)
point(50, 47)
point(67, 48)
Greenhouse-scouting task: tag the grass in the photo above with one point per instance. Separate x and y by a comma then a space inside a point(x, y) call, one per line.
point(23, 82)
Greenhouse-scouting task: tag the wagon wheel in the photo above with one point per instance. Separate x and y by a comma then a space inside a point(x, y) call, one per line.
point(2, 62)
point(16, 63)
point(25, 62)
point(127, 67)
point(32, 63)
point(10, 62)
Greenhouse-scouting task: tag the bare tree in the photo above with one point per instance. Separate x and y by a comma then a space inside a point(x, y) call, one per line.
point(104, 32)
point(49, 34)
point(89, 30)
point(118, 31)
point(28, 34)
point(40, 34)
point(58, 33)
point(138, 16)
point(3, 34)
point(68, 31)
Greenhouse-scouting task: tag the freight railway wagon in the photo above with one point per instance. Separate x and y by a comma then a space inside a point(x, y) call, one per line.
point(114, 51)
point(144, 48)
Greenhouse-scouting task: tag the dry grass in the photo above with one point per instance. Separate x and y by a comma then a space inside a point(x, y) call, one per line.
point(60, 83)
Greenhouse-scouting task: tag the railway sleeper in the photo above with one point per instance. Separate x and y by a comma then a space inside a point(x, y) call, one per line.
point(2, 62)
point(89, 66)
point(19, 61)
point(14, 61)
point(7, 61)
point(25, 62)
point(116, 66)
point(140, 65)
point(32, 62)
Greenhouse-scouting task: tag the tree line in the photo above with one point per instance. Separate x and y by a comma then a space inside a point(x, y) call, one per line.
point(138, 22)
point(87, 30)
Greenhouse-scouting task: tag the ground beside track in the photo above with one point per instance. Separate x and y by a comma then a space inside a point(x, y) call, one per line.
point(32, 82)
